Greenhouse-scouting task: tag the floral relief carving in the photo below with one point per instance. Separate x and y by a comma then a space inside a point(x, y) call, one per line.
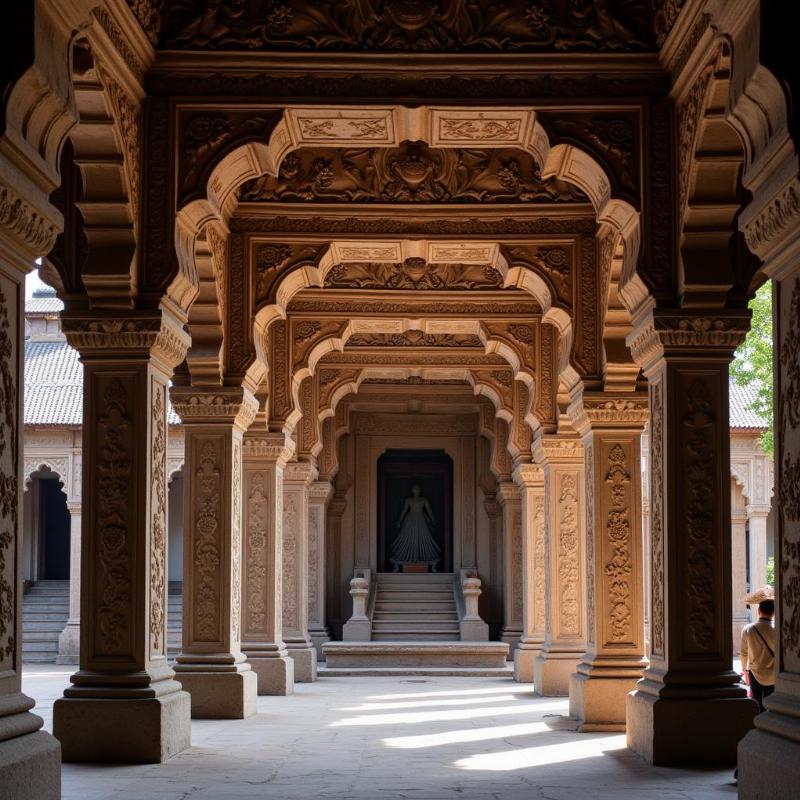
point(413, 274)
point(113, 472)
point(619, 567)
point(539, 564)
point(698, 483)
point(568, 554)
point(414, 339)
point(657, 516)
point(158, 525)
point(279, 371)
point(207, 553)
point(9, 459)
point(314, 549)
point(256, 608)
point(25, 223)
point(689, 115)
point(776, 220)
point(591, 600)
point(515, 522)
point(290, 523)
point(236, 542)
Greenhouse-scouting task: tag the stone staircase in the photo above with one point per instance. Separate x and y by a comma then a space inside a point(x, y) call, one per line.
point(45, 610)
point(414, 607)
point(174, 619)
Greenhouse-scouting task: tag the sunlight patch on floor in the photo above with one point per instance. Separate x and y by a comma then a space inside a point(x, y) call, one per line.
point(524, 758)
point(463, 736)
point(462, 701)
point(469, 692)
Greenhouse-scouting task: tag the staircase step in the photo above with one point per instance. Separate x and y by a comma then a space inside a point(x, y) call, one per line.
point(398, 654)
point(45, 610)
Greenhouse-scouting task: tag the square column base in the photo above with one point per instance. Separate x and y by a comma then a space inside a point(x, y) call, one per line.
point(220, 695)
point(511, 637)
point(599, 703)
point(318, 638)
point(678, 731)
point(274, 676)
point(305, 663)
point(769, 765)
point(552, 673)
point(30, 767)
point(524, 664)
point(141, 731)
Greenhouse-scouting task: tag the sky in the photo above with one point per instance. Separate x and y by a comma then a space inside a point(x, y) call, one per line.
point(32, 283)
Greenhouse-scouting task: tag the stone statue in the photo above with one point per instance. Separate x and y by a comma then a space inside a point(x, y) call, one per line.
point(415, 543)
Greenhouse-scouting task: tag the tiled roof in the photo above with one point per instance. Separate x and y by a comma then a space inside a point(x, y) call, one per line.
point(48, 304)
point(741, 416)
point(54, 385)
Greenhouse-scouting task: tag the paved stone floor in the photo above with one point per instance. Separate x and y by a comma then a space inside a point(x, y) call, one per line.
point(385, 739)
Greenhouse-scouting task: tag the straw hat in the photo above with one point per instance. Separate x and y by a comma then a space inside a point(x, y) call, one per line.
point(760, 595)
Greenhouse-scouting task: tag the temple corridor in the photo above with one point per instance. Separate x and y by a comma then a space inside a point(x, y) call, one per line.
point(431, 738)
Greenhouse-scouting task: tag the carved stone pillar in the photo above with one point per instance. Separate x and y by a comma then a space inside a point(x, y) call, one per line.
point(738, 577)
point(124, 703)
point(265, 456)
point(29, 758)
point(509, 499)
point(211, 665)
point(69, 640)
point(318, 497)
point(615, 656)
point(757, 525)
point(689, 707)
point(769, 756)
point(530, 479)
point(565, 611)
point(297, 478)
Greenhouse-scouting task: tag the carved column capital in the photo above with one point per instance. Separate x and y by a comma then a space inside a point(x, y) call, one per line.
point(590, 412)
point(300, 473)
point(702, 333)
point(337, 506)
point(529, 475)
point(320, 492)
point(558, 450)
point(158, 335)
point(27, 228)
point(274, 447)
point(507, 492)
point(194, 404)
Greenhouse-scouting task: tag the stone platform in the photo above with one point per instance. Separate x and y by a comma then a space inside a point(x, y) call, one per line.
point(403, 656)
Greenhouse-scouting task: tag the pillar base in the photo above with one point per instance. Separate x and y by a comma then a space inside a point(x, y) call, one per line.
point(552, 672)
point(598, 702)
point(524, 661)
point(69, 644)
point(511, 637)
point(769, 763)
point(318, 638)
point(688, 731)
point(30, 767)
point(274, 675)
point(305, 662)
point(229, 694)
point(146, 730)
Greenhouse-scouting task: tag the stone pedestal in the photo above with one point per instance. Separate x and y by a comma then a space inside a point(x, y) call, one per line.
point(509, 499)
point(265, 456)
point(211, 664)
point(297, 478)
point(615, 655)
point(30, 767)
point(530, 479)
point(124, 704)
point(565, 612)
point(319, 495)
point(689, 707)
point(69, 640)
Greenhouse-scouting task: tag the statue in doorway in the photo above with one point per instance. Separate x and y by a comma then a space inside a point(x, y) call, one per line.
point(415, 543)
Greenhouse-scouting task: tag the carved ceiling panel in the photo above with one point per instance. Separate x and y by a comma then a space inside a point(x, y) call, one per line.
point(404, 25)
point(411, 173)
point(414, 274)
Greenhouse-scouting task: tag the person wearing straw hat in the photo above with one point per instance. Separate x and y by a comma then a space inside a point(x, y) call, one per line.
point(758, 646)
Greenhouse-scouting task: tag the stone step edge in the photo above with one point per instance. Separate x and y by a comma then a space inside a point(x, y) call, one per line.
point(452, 672)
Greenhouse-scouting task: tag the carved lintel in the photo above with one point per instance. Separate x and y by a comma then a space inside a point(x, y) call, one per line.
point(236, 405)
point(680, 333)
point(160, 335)
point(29, 228)
point(270, 447)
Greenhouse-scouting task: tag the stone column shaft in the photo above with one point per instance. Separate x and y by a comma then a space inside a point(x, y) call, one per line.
point(69, 644)
point(509, 499)
point(30, 765)
point(738, 578)
point(757, 524)
point(318, 498)
point(689, 707)
point(615, 655)
point(565, 607)
point(265, 456)
point(124, 703)
point(297, 478)
point(211, 665)
point(530, 479)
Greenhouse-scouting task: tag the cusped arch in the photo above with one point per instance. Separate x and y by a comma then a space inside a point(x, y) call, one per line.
point(54, 466)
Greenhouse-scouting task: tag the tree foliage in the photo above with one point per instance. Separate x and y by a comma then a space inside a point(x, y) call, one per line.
point(753, 365)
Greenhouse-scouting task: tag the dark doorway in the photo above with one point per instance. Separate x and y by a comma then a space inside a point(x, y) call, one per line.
point(399, 471)
point(54, 527)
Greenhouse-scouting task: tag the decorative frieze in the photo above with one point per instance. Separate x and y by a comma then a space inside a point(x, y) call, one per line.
point(778, 220)
point(158, 500)
point(35, 233)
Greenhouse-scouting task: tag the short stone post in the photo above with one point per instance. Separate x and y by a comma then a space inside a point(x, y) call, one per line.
point(358, 628)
